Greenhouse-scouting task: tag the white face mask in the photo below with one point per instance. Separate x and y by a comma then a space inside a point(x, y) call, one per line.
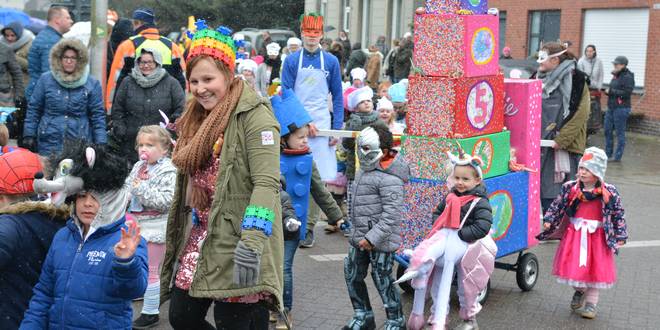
point(544, 56)
point(369, 152)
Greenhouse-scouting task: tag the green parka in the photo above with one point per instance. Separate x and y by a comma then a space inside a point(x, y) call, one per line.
point(248, 175)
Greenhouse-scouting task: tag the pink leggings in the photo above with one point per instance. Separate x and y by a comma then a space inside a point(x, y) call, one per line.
point(590, 294)
point(156, 254)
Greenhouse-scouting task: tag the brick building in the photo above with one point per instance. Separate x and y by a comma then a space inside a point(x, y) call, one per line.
point(616, 27)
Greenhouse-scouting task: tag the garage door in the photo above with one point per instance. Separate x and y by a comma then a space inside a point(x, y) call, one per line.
point(617, 32)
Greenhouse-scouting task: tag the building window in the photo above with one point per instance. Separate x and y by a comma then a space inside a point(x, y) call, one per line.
point(365, 22)
point(323, 10)
point(502, 30)
point(543, 27)
point(346, 5)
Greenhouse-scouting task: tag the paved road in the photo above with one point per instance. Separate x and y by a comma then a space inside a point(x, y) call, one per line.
point(321, 302)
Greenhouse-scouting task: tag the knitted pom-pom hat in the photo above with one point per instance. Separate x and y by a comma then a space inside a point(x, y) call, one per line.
point(216, 43)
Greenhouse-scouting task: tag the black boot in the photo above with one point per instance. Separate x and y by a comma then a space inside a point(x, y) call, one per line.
point(146, 321)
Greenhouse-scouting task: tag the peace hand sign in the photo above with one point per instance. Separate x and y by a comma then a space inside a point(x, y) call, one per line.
point(129, 241)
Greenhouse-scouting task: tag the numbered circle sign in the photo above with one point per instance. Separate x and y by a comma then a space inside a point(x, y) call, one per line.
point(482, 46)
point(480, 103)
point(502, 205)
point(484, 149)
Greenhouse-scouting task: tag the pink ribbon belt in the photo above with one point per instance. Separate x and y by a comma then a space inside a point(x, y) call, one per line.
point(585, 226)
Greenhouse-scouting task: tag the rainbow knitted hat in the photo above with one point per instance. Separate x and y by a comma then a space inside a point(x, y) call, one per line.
point(216, 43)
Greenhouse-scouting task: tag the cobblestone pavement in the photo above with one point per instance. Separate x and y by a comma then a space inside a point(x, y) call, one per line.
point(321, 301)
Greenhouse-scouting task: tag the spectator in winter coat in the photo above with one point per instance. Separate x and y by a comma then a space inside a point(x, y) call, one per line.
point(403, 60)
point(97, 264)
point(506, 53)
point(337, 49)
point(263, 51)
point(565, 111)
point(591, 64)
point(373, 66)
point(20, 41)
point(11, 78)
point(141, 97)
point(618, 107)
point(147, 36)
point(388, 63)
point(121, 31)
point(26, 231)
point(67, 103)
point(346, 44)
point(382, 46)
point(59, 23)
point(357, 59)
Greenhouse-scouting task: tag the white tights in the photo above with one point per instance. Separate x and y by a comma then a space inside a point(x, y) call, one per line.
point(447, 253)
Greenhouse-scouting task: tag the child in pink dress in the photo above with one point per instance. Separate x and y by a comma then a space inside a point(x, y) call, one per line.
point(588, 218)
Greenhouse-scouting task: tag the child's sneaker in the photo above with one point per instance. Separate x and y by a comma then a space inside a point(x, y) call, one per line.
point(578, 300)
point(468, 325)
point(588, 311)
point(309, 240)
point(361, 321)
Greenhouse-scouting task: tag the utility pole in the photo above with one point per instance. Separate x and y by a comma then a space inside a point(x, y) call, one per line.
point(98, 40)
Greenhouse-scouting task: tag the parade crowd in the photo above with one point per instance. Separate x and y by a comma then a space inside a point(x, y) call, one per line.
point(202, 169)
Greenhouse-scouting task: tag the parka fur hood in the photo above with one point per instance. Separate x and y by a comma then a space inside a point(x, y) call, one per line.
point(56, 59)
point(56, 213)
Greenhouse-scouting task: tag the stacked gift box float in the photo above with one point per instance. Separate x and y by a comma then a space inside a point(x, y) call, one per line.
point(457, 95)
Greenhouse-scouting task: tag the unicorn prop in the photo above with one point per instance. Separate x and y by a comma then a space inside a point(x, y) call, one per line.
point(432, 262)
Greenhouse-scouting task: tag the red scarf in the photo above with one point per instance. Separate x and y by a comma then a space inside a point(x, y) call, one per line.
point(451, 216)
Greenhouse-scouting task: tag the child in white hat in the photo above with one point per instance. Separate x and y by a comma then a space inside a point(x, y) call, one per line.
point(386, 113)
point(597, 229)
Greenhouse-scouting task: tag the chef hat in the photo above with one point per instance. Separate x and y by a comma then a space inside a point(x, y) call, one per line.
point(384, 103)
point(358, 73)
point(358, 96)
point(249, 65)
point(273, 49)
point(293, 41)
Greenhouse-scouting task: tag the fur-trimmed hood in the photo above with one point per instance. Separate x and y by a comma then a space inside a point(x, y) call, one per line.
point(61, 213)
point(56, 63)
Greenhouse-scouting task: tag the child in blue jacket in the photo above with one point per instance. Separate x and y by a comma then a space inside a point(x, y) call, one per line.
point(97, 264)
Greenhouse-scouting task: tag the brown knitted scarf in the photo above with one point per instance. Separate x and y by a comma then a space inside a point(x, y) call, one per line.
point(193, 151)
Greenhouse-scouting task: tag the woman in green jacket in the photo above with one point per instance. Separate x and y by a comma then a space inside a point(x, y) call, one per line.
point(224, 240)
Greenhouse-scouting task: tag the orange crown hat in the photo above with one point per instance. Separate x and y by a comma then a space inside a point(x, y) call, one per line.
point(311, 25)
point(17, 170)
point(217, 44)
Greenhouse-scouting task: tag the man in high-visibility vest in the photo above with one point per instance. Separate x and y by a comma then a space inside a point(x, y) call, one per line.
point(147, 36)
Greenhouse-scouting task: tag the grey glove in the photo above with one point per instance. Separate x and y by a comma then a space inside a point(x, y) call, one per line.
point(246, 266)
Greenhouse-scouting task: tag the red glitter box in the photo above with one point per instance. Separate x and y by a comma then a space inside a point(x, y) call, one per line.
point(455, 107)
point(456, 45)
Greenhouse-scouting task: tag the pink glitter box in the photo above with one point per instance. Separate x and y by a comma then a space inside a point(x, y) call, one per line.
point(456, 45)
point(455, 108)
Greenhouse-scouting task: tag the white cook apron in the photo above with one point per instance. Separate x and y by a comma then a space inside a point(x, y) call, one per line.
point(311, 88)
